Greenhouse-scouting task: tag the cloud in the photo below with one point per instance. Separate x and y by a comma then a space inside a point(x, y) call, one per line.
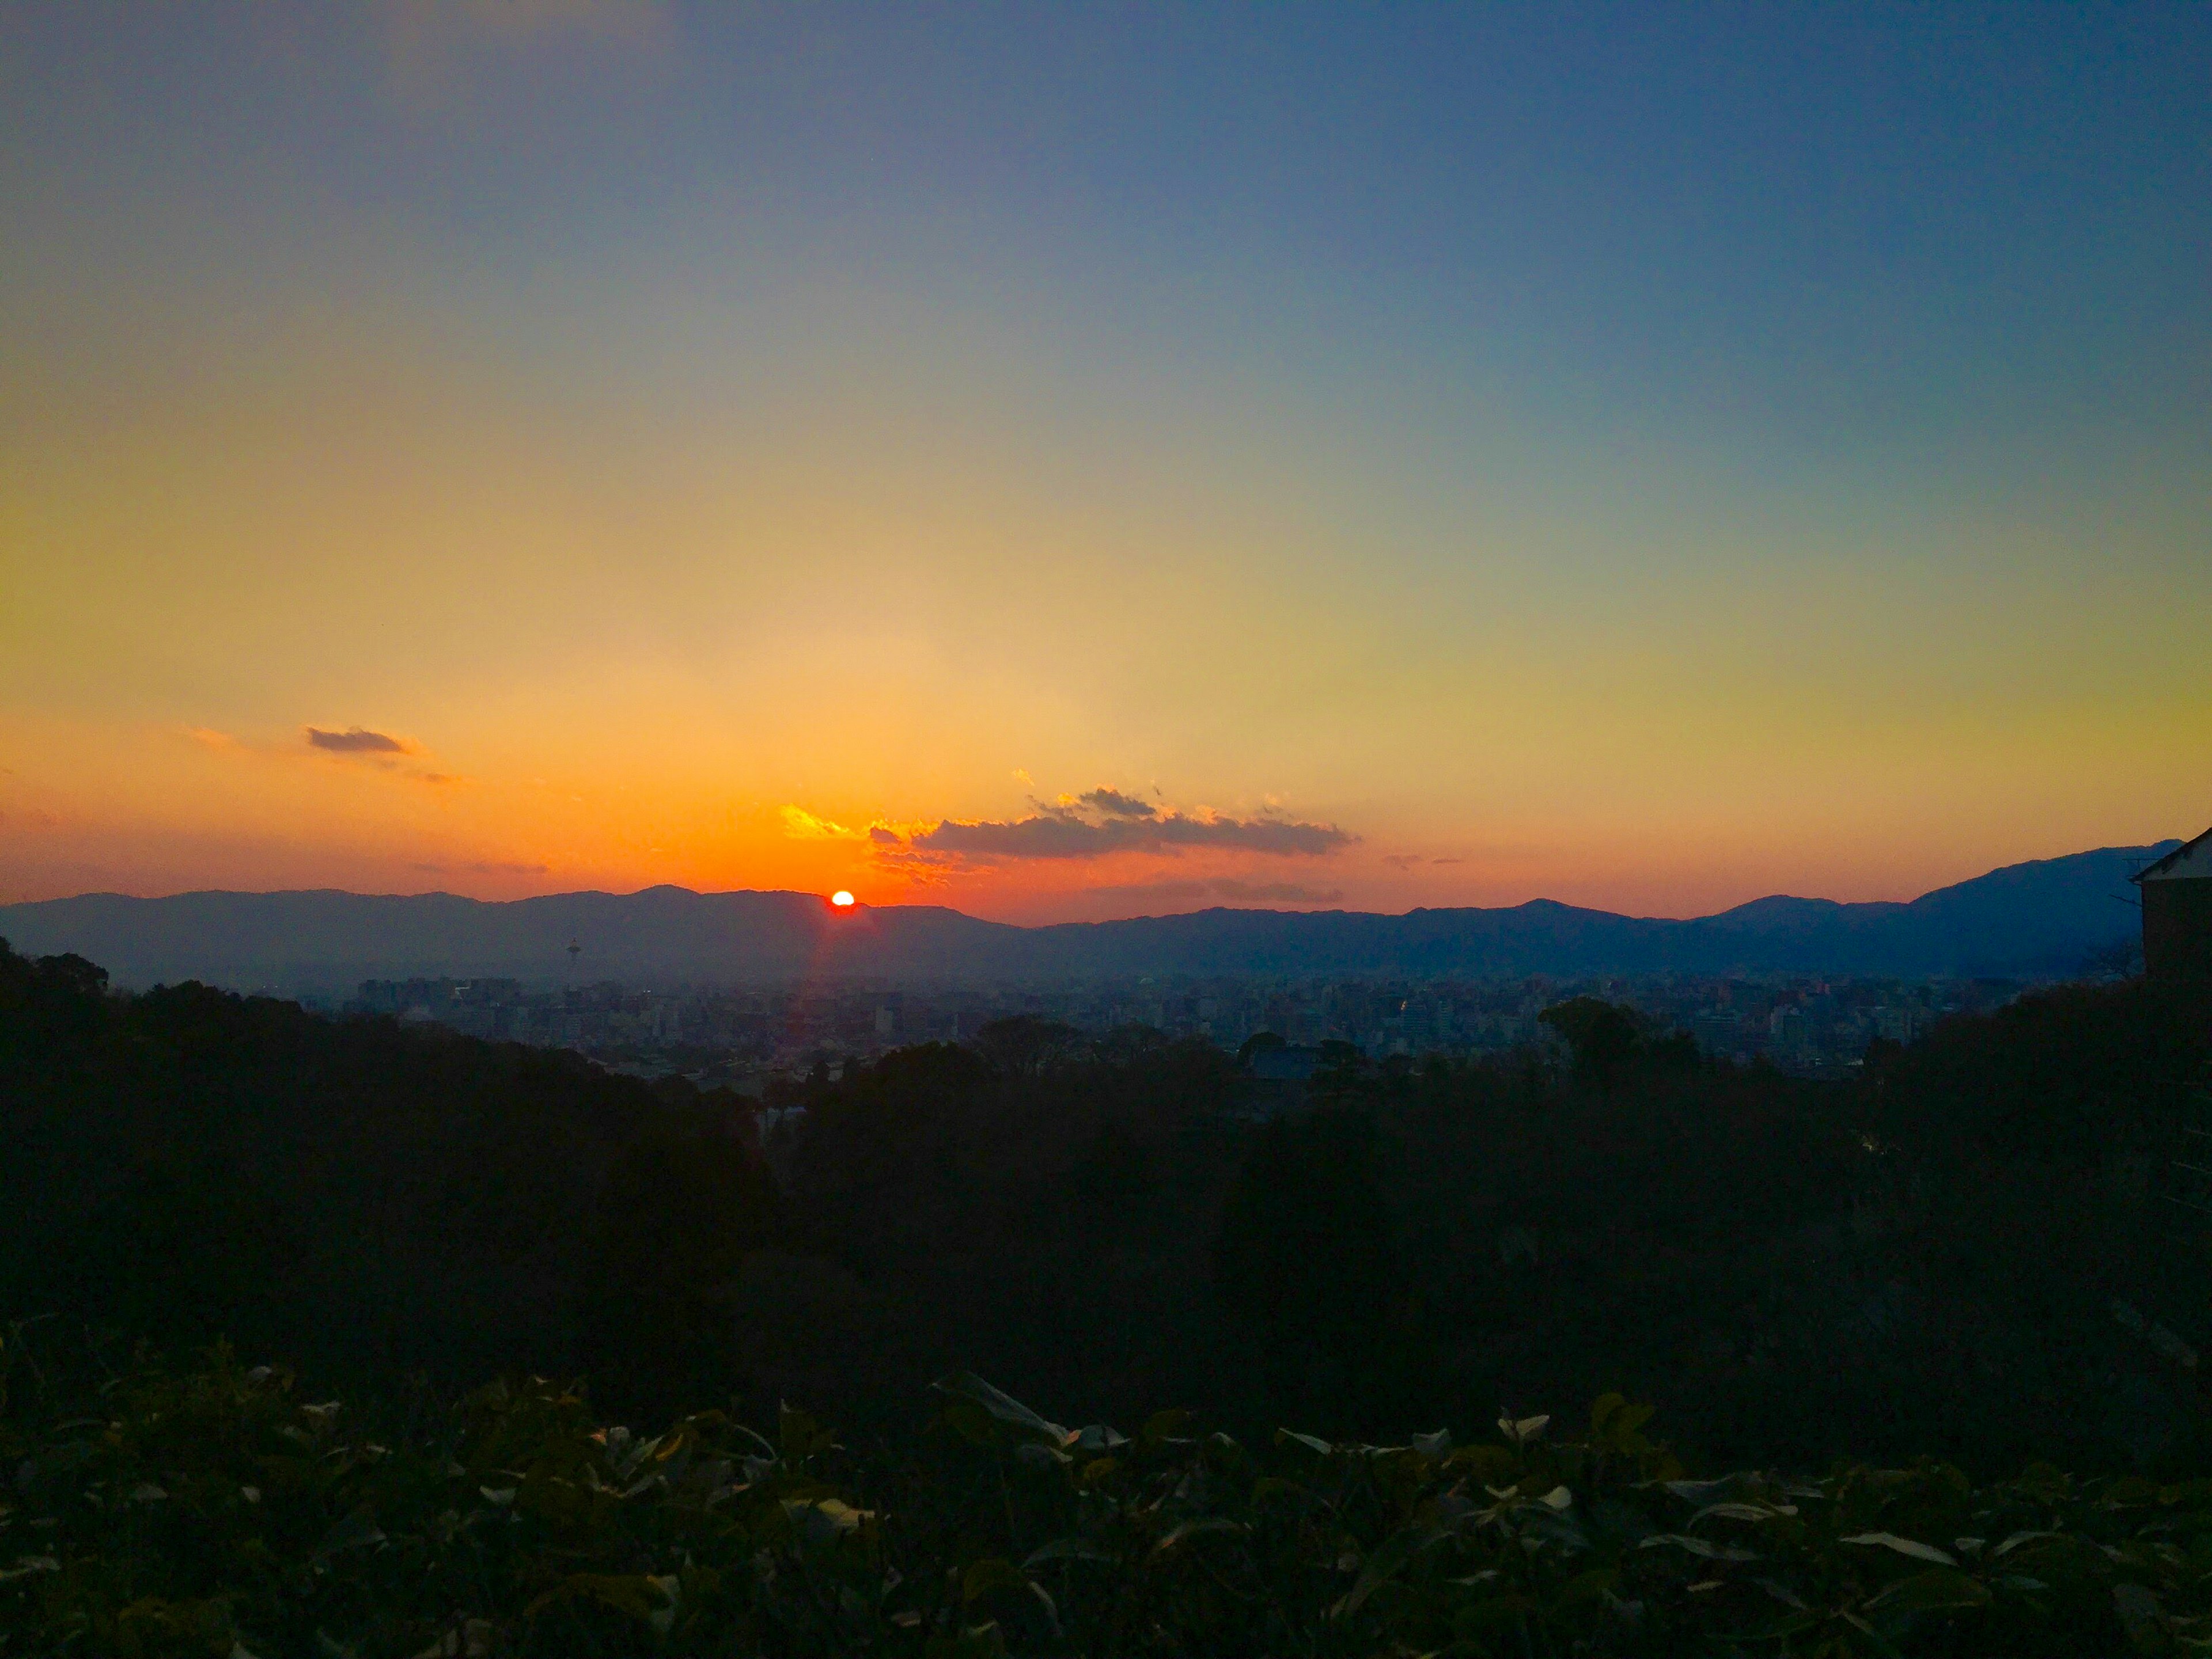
point(1225, 887)
point(1280, 892)
point(436, 780)
point(209, 738)
point(883, 835)
point(1114, 803)
point(357, 740)
point(1401, 861)
point(1060, 833)
point(800, 824)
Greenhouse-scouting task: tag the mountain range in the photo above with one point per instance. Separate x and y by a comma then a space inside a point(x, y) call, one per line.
point(2041, 920)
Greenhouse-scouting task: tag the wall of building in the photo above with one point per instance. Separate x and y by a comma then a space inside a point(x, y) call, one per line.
point(2177, 921)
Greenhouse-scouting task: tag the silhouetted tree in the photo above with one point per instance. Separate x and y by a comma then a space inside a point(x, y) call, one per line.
point(1602, 1036)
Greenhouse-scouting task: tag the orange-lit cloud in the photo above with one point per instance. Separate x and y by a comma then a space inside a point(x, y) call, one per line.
point(1120, 825)
point(357, 740)
point(800, 824)
point(1136, 895)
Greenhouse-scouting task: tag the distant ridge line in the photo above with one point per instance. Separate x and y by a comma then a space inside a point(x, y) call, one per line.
point(2041, 919)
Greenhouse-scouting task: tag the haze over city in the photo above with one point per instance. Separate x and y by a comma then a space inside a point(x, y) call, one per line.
point(1078, 463)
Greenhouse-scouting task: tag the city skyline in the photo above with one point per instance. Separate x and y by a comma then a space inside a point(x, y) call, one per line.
point(1087, 463)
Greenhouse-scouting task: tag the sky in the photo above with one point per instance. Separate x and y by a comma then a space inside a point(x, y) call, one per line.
point(1067, 462)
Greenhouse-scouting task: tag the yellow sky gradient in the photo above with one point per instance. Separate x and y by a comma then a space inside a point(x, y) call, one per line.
point(627, 645)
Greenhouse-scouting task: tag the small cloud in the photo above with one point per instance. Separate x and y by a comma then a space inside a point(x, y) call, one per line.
point(1401, 860)
point(1448, 860)
point(208, 738)
point(1060, 834)
point(437, 780)
point(883, 835)
point(917, 869)
point(800, 824)
point(1022, 776)
point(1115, 804)
point(357, 740)
point(1277, 892)
point(484, 867)
point(1174, 892)
point(1223, 887)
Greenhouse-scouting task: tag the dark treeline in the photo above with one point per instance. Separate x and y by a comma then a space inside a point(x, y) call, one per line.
point(1965, 1254)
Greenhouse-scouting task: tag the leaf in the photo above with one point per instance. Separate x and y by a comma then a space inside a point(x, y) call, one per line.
point(979, 1578)
point(1392, 1553)
point(1067, 1549)
point(1003, 1409)
point(802, 1436)
point(1162, 1427)
point(1096, 1437)
point(977, 1642)
point(663, 1617)
point(1699, 1547)
point(1318, 1447)
point(1941, 1590)
point(1098, 1469)
point(1522, 1430)
point(1186, 1529)
point(358, 1531)
point(1726, 1488)
point(1438, 1444)
point(1890, 1540)
point(1752, 1512)
point(636, 1594)
point(824, 1520)
point(2141, 1618)
point(2017, 1538)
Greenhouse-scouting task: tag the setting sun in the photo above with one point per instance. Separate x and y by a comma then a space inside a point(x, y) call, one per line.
point(840, 899)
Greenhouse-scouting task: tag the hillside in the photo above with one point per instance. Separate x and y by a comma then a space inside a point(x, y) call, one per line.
point(2031, 921)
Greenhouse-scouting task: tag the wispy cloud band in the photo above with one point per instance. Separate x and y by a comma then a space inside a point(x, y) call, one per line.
point(1065, 834)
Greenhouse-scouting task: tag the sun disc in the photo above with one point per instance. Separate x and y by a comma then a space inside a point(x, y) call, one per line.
point(840, 899)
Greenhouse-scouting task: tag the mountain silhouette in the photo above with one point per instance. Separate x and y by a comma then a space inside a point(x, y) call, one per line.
point(2032, 921)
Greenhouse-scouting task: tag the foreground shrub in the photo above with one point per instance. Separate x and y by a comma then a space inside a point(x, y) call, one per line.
point(213, 1511)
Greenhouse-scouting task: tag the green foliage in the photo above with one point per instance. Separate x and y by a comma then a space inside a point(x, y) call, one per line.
point(213, 1511)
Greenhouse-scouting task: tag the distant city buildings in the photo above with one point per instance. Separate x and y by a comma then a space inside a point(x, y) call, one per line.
point(744, 1038)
